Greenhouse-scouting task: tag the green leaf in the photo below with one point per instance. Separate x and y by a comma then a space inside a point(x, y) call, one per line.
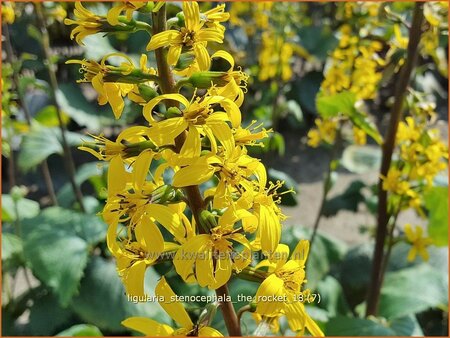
point(305, 89)
point(348, 200)
point(73, 103)
point(102, 300)
point(406, 326)
point(354, 273)
point(289, 199)
point(332, 297)
point(48, 117)
point(86, 171)
point(413, 290)
point(46, 315)
point(56, 245)
point(81, 330)
point(317, 40)
point(36, 147)
point(347, 326)
point(42, 142)
point(12, 251)
point(331, 105)
point(58, 260)
point(362, 121)
point(361, 159)
point(25, 207)
point(436, 201)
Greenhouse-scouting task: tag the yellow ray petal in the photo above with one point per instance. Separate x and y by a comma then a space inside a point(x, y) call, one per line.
point(207, 331)
point(300, 253)
point(150, 238)
point(133, 279)
point(271, 286)
point(148, 326)
point(187, 254)
point(168, 218)
point(192, 175)
point(174, 309)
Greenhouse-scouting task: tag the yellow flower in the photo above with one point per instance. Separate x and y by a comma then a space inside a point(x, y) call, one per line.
point(395, 183)
point(132, 201)
point(215, 16)
point(129, 143)
point(250, 135)
point(128, 6)
point(325, 132)
point(274, 58)
point(359, 136)
point(211, 257)
point(87, 23)
point(408, 131)
point(8, 15)
point(236, 81)
point(167, 300)
point(108, 92)
point(199, 119)
point(193, 37)
point(419, 243)
point(280, 292)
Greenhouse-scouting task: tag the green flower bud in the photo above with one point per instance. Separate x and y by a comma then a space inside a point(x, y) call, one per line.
point(147, 92)
point(204, 80)
point(207, 220)
point(173, 112)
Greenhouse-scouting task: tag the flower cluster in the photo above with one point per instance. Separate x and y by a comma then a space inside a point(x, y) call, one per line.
point(421, 156)
point(184, 185)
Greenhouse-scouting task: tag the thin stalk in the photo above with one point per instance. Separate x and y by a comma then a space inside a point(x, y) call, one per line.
point(69, 162)
point(326, 187)
point(388, 149)
point(241, 311)
point(194, 197)
point(10, 57)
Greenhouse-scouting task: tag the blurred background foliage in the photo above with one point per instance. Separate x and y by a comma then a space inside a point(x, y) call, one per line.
point(58, 277)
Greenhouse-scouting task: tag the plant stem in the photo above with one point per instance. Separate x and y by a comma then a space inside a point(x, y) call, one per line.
point(326, 187)
point(245, 308)
point(10, 57)
point(229, 314)
point(388, 149)
point(196, 203)
point(54, 87)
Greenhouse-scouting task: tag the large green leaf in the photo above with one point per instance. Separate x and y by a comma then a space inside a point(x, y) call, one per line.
point(56, 245)
point(406, 326)
point(347, 326)
point(26, 208)
point(46, 314)
point(332, 297)
point(102, 300)
point(37, 146)
point(413, 290)
point(42, 142)
point(436, 201)
point(12, 251)
point(317, 40)
point(81, 330)
point(73, 103)
point(348, 200)
point(354, 273)
point(332, 105)
point(65, 195)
